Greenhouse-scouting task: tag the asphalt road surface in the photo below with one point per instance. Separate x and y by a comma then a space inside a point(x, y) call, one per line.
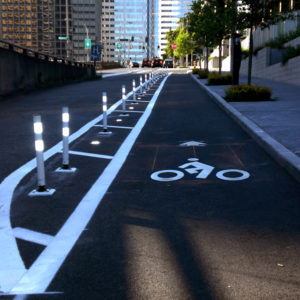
point(197, 211)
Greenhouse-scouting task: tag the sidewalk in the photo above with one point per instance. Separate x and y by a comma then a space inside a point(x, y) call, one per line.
point(275, 125)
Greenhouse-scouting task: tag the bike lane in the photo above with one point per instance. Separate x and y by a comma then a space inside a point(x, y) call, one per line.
point(209, 234)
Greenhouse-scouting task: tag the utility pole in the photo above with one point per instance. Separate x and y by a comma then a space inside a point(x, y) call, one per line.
point(232, 38)
point(67, 31)
point(87, 36)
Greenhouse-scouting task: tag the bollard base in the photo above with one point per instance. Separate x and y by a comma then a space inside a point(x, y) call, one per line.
point(41, 191)
point(65, 170)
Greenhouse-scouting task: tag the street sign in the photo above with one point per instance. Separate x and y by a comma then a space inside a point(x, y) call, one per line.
point(62, 37)
point(95, 53)
point(87, 44)
point(174, 46)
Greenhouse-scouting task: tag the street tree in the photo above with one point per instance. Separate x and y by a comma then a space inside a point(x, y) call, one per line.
point(222, 23)
point(184, 44)
point(202, 27)
point(171, 36)
point(258, 13)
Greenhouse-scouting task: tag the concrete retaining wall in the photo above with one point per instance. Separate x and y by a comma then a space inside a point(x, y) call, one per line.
point(289, 73)
point(22, 69)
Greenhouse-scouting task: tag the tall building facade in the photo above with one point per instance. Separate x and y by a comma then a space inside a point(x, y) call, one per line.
point(54, 27)
point(166, 16)
point(126, 26)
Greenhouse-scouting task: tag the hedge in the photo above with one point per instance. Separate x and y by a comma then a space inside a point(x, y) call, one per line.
point(245, 92)
point(217, 79)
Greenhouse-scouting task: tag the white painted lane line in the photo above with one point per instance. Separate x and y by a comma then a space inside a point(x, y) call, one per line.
point(11, 264)
point(32, 236)
point(43, 270)
point(91, 154)
point(112, 126)
point(130, 111)
point(139, 101)
point(114, 74)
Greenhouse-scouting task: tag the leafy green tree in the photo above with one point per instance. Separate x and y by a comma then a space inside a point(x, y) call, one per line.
point(258, 13)
point(202, 27)
point(171, 36)
point(211, 21)
point(183, 41)
point(222, 22)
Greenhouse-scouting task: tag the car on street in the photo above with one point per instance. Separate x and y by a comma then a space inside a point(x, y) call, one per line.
point(146, 63)
point(168, 63)
point(135, 64)
point(157, 62)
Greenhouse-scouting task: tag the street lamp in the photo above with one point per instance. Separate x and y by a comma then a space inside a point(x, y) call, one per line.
point(67, 30)
point(87, 37)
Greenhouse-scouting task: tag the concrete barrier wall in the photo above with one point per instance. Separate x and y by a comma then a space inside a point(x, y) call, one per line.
point(23, 69)
point(289, 73)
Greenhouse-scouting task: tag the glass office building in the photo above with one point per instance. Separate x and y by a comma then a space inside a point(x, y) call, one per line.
point(54, 27)
point(166, 16)
point(125, 30)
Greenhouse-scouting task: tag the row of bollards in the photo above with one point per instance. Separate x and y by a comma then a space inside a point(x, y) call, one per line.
point(41, 189)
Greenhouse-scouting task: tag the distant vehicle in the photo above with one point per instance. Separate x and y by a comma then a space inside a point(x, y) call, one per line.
point(135, 64)
point(168, 63)
point(157, 62)
point(146, 63)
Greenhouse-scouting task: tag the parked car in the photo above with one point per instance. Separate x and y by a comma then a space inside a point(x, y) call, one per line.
point(135, 64)
point(168, 63)
point(157, 62)
point(146, 63)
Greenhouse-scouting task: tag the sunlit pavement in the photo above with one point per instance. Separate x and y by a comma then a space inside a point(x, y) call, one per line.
point(198, 210)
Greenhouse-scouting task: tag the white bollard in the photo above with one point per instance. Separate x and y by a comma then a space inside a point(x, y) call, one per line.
point(141, 84)
point(133, 92)
point(65, 134)
point(123, 98)
point(104, 109)
point(39, 149)
point(123, 114)
point(146, 82)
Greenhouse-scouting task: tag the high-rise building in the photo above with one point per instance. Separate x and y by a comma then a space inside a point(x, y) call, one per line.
point(166, 14)
point(54, 27)
point(125, 30)
point(85, 24)
point(29, 23)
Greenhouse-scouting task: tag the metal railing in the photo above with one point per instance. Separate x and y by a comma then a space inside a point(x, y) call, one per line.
point(38, 55)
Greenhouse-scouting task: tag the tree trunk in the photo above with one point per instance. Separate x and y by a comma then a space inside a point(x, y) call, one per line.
point(206, 59)
point(220, 56)
point(250, 55)
point(186, 60)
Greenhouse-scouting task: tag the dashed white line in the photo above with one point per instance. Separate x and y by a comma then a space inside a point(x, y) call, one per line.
point(113, 126)
point(90, 154)
point(32, 236)
point(130, 111)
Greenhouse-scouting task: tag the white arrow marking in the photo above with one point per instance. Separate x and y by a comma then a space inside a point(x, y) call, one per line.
point(193, 143)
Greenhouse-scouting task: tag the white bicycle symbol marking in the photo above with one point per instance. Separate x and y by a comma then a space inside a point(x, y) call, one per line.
point(202, 170)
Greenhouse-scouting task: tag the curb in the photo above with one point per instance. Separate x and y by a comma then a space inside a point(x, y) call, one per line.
point(286, 158)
